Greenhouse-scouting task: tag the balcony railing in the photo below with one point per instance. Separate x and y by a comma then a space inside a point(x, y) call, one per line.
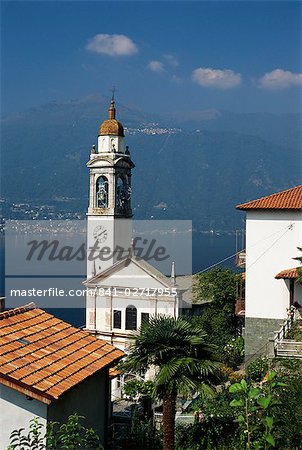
point(240, 259)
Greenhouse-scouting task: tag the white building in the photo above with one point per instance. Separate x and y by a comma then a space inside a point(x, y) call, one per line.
point(273, 233)
point(51, 370)
point(123, 290)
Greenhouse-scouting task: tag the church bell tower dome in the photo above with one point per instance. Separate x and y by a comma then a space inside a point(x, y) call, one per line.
point(111, 126)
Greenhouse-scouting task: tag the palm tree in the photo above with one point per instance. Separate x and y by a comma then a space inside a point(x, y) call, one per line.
point(299, 258)
point(183, 360)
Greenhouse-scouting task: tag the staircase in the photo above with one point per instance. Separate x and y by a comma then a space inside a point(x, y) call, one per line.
point(284, 346)
point(288, 348)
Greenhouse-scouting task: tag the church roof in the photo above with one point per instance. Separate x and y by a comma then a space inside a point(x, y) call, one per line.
point(43, 356)
point(144, 265)
point(111, 126)
point(290, 199)
point(183, 282)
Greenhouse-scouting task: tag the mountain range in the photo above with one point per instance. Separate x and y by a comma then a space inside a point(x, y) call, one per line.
point(195, 165)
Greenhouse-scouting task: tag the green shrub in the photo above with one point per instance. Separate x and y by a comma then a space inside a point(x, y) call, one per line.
point(211, 434)
point(70, 436)
point(288, 414)
point(257, 369)
point(233, 352)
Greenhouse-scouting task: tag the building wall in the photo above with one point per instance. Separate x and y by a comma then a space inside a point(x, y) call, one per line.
point(89, 399)
point(272, 239)
point(16, 411)
point(124, 288)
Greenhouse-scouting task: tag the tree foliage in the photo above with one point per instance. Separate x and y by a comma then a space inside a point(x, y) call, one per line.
point(218, 320)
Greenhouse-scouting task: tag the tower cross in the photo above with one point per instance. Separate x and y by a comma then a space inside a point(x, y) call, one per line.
point(113, 90)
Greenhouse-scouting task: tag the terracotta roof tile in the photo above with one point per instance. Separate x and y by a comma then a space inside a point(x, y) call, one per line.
point(288, 273)
point(56, 357)
point(285, 200)
point(114, 372)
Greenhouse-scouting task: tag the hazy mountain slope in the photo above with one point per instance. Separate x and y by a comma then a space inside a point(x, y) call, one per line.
point(198, 175)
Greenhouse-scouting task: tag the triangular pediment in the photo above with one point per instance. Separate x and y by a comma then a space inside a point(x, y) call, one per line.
point(130, 272)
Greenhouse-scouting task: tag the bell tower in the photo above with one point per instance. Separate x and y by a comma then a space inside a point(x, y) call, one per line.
point(109, 212)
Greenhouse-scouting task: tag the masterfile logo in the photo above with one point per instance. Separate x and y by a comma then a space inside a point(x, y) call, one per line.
point(58, 256)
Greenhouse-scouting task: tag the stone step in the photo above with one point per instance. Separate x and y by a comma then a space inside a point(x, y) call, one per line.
point(287, 343)
point(289, 349)
point(295, 355)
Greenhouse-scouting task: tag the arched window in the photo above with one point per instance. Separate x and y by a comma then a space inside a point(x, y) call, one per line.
point(131, 318)
point(123, 193)
point(102, 192)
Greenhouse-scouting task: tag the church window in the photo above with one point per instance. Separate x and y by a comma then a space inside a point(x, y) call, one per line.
point(131, 318)
point(102, 192)
point(144, 318)
point(117, 319)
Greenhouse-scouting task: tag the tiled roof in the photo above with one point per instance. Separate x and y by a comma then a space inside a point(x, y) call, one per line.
point(43, 357)
point(288, 273)
point(114, 372)
point(289, 199)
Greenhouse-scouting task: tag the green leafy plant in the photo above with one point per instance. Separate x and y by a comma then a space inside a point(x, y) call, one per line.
point(34, 440)
point(254, 405)
point(68, 436)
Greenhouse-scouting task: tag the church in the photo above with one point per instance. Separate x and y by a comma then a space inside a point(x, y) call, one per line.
point(123, 290)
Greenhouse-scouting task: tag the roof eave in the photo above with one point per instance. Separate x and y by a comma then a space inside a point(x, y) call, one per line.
point(30, 391)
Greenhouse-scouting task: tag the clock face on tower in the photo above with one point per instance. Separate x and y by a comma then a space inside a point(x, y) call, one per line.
point(100, 234)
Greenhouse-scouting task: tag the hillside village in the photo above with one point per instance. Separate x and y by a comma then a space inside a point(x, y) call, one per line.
point(172, 367)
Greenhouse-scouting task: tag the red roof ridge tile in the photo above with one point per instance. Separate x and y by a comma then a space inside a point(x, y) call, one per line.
point(15, 311)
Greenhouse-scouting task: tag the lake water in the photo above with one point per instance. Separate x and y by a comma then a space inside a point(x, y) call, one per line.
point(208, 249)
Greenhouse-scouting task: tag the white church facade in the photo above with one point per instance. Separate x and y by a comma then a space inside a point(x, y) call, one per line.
point(123, 290)
point(273, 235)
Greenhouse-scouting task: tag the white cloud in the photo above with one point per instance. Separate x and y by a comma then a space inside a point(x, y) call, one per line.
point(112, 44)
point(218, 78)
point(171, 60)
point(156, 66)
point(280, 79)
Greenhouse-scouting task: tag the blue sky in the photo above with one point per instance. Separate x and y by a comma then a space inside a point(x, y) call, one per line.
point(161, 56)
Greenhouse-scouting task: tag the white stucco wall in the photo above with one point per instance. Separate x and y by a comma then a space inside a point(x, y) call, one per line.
point(16, 411)
point(129, 285)
point(272, 238)
point(110, 143)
